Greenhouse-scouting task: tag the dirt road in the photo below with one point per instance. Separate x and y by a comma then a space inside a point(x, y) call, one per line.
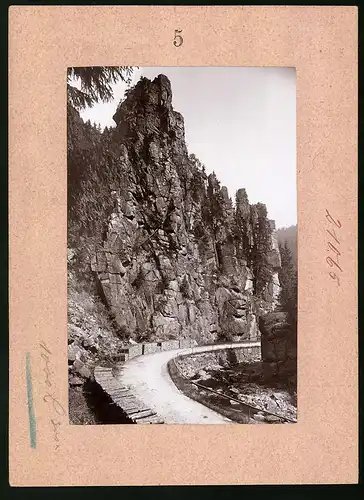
point(150, 381)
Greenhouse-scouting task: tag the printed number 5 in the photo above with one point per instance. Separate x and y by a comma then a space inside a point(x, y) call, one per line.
point(178, 40)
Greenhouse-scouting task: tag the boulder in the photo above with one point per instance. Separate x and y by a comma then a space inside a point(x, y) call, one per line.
point(75, 381)
point(279, 346)
point(74, 352)
point(81, 369)
point(272, 419)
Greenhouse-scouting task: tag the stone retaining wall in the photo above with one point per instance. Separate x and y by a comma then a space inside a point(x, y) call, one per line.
point(189, 364)
point(169, 345)
point(186, 343)
point(135, 350)
point(152, 347)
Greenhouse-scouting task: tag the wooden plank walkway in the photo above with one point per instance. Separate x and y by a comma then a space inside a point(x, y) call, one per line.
point(124, 398)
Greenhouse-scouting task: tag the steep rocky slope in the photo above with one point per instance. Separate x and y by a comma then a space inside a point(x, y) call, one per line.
point(176, 257)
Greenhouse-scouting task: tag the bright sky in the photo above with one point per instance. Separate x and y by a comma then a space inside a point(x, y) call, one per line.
point(240, 122)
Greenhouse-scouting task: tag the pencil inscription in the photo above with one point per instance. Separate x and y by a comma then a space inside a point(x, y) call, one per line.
point(56, 408)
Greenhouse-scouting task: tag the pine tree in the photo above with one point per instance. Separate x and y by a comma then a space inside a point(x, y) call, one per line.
point(215, 202)
point(196, 162)
point(288, 282)
point(262, 244)
point(213, 213)
point(242, 222)
point(96, 84)
point(197, 181)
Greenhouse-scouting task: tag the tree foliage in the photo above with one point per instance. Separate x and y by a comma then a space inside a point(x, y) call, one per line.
point(288, 282)
point(199, 177)
point(96, 84)
point(197, 163)
point(261, 246)
point(93, 173)
point(241, 225)
point(214, 206)
point(104, 181)
point(92, 169)
point(289, 235)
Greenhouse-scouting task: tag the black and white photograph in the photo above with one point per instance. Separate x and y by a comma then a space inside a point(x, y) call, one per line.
point(182, 245)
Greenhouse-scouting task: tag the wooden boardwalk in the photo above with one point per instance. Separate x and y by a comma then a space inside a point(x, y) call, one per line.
point(123, 397)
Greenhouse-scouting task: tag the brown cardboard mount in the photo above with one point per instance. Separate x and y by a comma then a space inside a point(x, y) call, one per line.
point(321, 43)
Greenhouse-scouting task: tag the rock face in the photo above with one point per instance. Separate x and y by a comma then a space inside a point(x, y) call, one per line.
point(279, 347)
point(178, 259)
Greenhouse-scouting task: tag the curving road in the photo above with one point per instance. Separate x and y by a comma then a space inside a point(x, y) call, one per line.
point(149, 380)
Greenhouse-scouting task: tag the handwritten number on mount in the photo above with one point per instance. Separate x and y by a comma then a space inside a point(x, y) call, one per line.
point(333, 248)
point(178, 40)
point(331, 219)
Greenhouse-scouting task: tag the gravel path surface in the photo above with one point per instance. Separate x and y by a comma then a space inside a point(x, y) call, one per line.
point(149, 380)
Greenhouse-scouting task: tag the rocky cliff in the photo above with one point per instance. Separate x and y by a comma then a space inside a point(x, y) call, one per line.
point(175, 256)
